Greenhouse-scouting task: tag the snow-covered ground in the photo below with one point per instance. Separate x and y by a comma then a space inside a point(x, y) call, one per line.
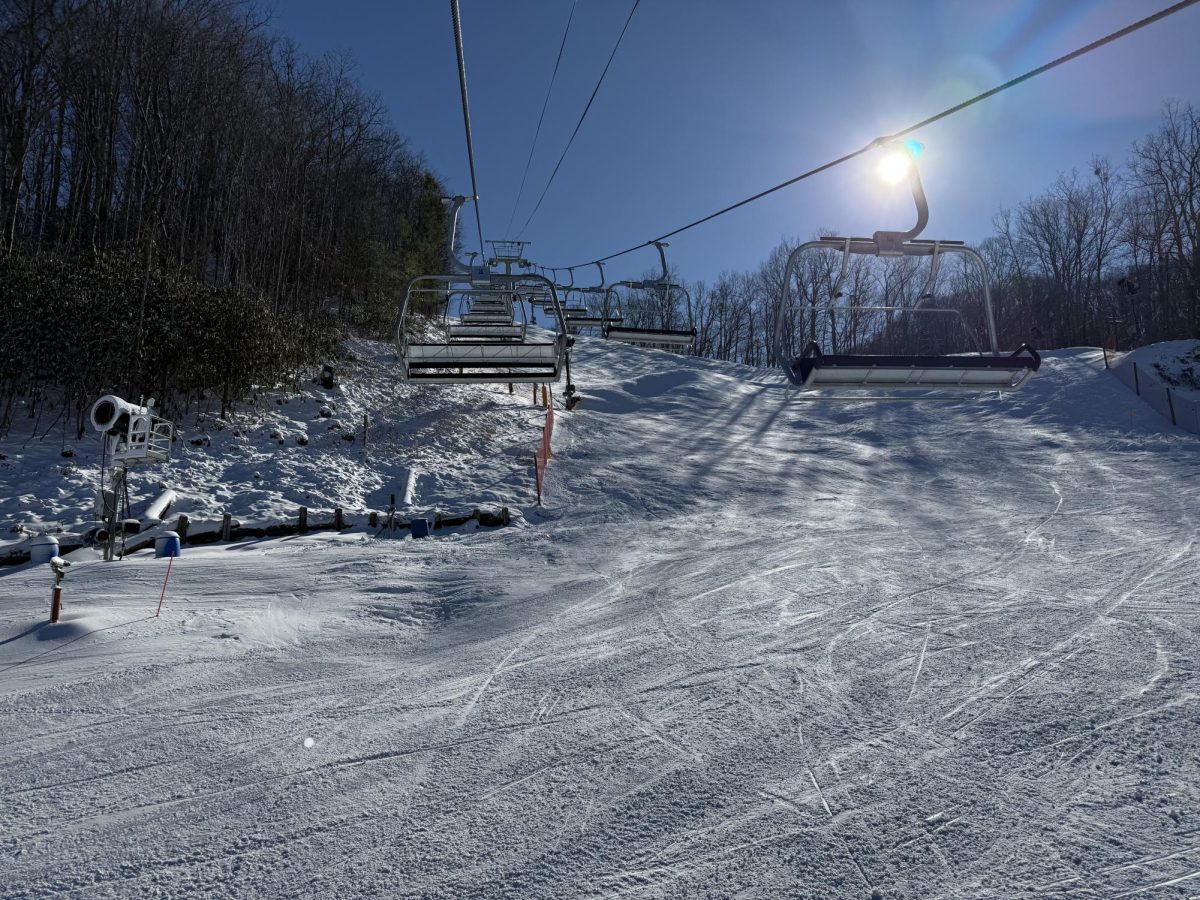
point(464, 445)
point(1167, 378)
point(755, 646)
point(1173, 364)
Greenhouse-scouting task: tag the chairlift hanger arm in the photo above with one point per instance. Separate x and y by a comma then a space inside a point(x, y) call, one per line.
point(453, 206)
point(662, 256)
point(889, 242)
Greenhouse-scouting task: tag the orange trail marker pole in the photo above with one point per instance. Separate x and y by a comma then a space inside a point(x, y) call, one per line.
point(170, 562)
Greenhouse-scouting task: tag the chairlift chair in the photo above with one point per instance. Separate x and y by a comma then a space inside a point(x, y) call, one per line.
point(489, 317)
point(677, 340)
point(813, 370)
point(487, 309)
point(499, 352)
point(491, 353)
point(582, 317)
point(579, 318)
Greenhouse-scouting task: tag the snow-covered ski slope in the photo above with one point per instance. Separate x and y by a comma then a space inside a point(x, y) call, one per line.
point(756, 646)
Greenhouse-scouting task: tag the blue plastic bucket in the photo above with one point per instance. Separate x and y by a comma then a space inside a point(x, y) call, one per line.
point(43, 548)
point(166, 544)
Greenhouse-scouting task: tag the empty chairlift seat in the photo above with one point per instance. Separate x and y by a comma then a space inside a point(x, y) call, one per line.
point(657, 338)
point(677, 340)
point(590, 321)
point(814, 370)
point(483, 362)
point(487, 344)
point(473, 333)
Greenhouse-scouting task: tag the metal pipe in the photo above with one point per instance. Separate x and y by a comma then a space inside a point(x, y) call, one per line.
point(890, 243)
point(836, 287)
point(987, 291)
point(455, 204)
point(927, 288)
point(663, 257)
point(781, 352)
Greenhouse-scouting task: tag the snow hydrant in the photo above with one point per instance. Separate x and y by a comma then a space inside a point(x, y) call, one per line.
point(59, 565)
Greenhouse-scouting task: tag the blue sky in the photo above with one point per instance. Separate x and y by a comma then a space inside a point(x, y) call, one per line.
point(710, 101)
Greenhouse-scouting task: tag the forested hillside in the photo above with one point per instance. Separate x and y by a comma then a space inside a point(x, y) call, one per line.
point(188, 203)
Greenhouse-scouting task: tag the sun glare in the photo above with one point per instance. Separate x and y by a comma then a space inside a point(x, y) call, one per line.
point(894, 167)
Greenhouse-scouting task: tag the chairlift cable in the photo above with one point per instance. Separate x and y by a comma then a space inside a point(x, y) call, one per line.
point(579, 124)
point(462, 83)
point(541, 118)
point(978, 98)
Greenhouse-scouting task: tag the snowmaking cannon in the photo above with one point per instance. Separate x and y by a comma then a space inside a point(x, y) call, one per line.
point(133, 435)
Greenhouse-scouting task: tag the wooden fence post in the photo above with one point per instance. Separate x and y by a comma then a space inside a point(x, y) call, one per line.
point(302, 525)
point(226, 527)
point(181, 528)
point(1137, 385)
point(1171, 404)
point(338, 522)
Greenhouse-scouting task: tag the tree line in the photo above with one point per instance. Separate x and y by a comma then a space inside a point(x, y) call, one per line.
point(188, 205)
point(1112, 253)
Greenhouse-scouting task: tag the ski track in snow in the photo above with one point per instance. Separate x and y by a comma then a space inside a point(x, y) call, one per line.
point(754, 646)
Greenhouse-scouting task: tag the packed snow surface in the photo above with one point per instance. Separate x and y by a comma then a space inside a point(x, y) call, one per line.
point(753, 646)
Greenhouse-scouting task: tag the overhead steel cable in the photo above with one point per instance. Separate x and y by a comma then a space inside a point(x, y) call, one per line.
point(578, 124)
point(541, 118)
point(978, 98)
point(462, 83)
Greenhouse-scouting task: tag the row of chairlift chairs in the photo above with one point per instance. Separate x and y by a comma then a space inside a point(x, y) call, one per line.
point(609, 323)
point(496, 339)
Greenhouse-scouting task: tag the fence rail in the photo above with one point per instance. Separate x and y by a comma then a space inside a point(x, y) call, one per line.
point(1171, 405)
